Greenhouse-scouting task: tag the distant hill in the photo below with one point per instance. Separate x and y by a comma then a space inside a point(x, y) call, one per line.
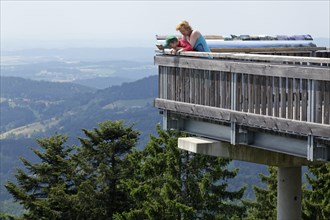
point(89, 54)
point(16, 87)
point(103, 82)
point(47, 108)
point(35, 108)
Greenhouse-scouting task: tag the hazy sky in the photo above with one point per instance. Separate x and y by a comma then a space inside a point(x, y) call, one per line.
point(135, 23)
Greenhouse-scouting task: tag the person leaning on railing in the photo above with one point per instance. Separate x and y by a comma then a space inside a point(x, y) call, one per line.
point(195, 38)
point(177, 45)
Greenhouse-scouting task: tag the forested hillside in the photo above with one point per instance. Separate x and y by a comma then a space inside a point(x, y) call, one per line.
point(26, 116)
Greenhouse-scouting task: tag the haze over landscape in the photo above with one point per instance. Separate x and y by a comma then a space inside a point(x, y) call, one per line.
point(69, 65)
point(62, 24)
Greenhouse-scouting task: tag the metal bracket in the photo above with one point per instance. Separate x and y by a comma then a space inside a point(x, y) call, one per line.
point(317, 151)
point(310, 147)
point(240, 136)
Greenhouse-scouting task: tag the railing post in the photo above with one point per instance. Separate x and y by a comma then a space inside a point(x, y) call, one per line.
point(311, 118)
point(233, 107)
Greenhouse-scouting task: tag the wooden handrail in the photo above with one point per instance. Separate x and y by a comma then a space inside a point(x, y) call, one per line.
point(250, 57)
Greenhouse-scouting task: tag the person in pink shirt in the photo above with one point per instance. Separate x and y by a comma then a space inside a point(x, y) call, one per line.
point(177, 45)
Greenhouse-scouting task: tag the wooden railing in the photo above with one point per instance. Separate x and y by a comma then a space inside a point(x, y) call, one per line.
point(280, 93)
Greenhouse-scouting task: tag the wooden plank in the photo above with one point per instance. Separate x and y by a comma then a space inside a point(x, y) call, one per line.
point(239, 92)
point(192, 85)
point(290, 98)
point(263, 95)
point(182, 84)
point(264, 69)
point(297, 100)
point(223, 89)
point(177, 83)
point(276, 96)
point(170, 82)
point(217, 89)
point(304, 99)
point(318, 85)
point(212, 95)
point(283, 97)
point(246, 119)
point(245, 93)
point(265, 50)
point(198, 87)
point(203, 87)
point(228, 90)
point(269, 82)
point(326, 112)
point(187, 88)
point(251, 93)
point(257, 100)
point(207, 87)
point(260, 57)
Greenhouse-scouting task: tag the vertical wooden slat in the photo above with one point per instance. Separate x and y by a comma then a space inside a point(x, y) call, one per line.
point(171, 81)
point(177, 83)
point(269, 82)
point(217, 89)
point(223, 89)
point(251, 93)
point(304, 99)
point(196, 86)
point(182, 84)
point(202, 96)
point(207, 87)
point(297, 100)
point(192, 85)
point(318, 100)
point(326, 112)
point(228, 90)
point(257, 94)
point(239, 92)
point(187, 87)
point(212, 88)
point(290, 98)
point(263, 94)
point(283, 97)
point(199, 85)
point(276, 96)
point(245, 92)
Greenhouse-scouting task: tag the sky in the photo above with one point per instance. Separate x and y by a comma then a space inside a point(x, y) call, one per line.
point(63, 24)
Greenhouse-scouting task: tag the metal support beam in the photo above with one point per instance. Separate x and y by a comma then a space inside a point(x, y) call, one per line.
point(289, 193)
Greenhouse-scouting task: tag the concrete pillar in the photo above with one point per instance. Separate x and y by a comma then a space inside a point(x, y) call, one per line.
point(289, 193)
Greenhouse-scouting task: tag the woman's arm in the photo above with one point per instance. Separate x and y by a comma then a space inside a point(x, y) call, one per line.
point(193, 38)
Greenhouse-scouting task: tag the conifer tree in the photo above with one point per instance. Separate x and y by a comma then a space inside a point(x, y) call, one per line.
point(316, 202)
point(169, 183)
point(264, 207)
point(45, 188)
point(102, 166)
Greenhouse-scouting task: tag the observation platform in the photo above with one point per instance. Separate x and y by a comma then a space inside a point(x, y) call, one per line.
point(273, 103)
point(262, 105)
